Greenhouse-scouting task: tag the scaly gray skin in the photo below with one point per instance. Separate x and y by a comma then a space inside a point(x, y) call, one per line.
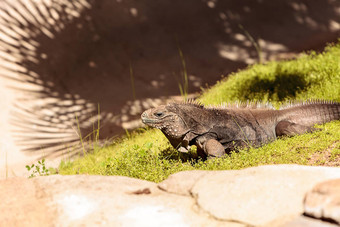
point(218, 130)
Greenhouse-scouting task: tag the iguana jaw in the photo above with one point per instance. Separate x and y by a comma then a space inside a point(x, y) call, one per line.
point(152, 122)
point(148, 121)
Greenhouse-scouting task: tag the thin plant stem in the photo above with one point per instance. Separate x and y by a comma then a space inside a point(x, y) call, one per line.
point(245, 136)
point(6, 166)
point(98, 126)
point(255, 44)
point(80, 136)
point(132, 82)
point(184, 85)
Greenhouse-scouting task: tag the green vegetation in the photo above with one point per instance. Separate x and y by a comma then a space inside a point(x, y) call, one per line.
point(146, 153)
point(38, 169)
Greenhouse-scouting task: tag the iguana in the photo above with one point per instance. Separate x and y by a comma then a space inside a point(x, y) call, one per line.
point(219, 130)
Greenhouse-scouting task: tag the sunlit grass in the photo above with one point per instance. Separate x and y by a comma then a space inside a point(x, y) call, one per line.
point(149, 156)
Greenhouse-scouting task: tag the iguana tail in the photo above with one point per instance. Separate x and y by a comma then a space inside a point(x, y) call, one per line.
point(311, 113)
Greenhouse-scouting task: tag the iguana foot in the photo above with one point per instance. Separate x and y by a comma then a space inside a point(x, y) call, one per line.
point(183, 150)
point(213, 149)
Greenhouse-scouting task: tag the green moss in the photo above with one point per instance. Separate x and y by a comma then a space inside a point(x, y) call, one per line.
point(148, 155)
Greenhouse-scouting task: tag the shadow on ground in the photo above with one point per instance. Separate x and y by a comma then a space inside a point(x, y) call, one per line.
point(284, 86)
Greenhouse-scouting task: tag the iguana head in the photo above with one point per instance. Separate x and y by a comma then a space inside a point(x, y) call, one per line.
point(167, 119)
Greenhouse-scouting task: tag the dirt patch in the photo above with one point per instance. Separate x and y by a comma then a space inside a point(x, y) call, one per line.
point(326, 157)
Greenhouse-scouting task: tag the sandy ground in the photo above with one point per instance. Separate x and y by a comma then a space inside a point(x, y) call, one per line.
point(64, 64)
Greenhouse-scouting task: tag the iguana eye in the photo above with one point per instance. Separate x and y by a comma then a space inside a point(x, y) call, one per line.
point(158, 114)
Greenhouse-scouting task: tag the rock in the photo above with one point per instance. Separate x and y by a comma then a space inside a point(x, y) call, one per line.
point(307, 222)
point(256, 196)
point(23, 204)
point(323, 201)
point(181, 183)
point(266, 196)
point(95, 201)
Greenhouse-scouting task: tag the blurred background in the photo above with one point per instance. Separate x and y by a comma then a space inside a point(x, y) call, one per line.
point(71, 69)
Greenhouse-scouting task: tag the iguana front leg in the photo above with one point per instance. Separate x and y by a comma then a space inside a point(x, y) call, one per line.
point(184, 146)
point(211, 147)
